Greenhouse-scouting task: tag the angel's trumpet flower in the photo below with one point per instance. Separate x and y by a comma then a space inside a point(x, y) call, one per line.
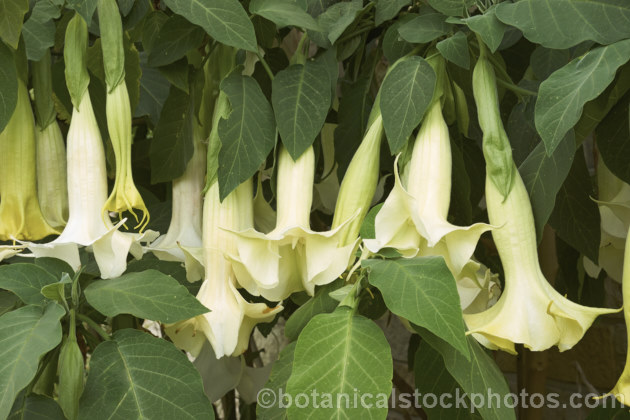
point(621, 390)
point(231, 319)
point(530, 311)
point(52, 187)
point(185, 228)
point(124, 196)
point(413, 217)
point(291, 257)
point(477, 287)
point(20, 215)
point(87, 177)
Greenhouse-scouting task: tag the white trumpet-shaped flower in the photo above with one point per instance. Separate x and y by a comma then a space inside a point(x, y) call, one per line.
point(413, 217)
point(291, 257)
point(185, 228)
point(530, 311)
point(477, 287)
point(231, 319)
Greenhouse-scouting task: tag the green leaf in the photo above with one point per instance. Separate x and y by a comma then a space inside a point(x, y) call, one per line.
point(451, 7)
point(423, 291)
point(224, 20)
point(85, 8)
point(488, 27)
point(544, 175)
point(388, 9)
point(479, 375)
point(455, 49)
point(39, 29)
point(26, 334)
point(137, 375)
point(174, 269)
point(283, 13)
point(406, 93)
point(154, 90)
point(576, 216)
point(334, 21)
point(394, 47)
point(339, 353)
point(8, 301)
point(267, 408)
point(26, 280)
point(425, 27)
point(613, 139)
point(176, 37)
point(247, 135)
point(172, 144)
point(545, 61)
point(301, 97)
point(8, 85)
point(11, 16)
point(320, 303)
point(562, 96)
point(428, 363)
point(149, 294)
point(57, 291)
point(562, 24)
point(54, 266)
point(35, 407)
point(368, 227)
point(151, 28)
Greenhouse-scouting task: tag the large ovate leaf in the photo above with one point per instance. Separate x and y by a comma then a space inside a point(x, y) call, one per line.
point(613, 139)
point(300, 97)
point(405, 95)
point(562, 24)
point(478, 375)
point(85, 8)
point(149, 294)
point(39, 30)
point(175, 38)
point(11, 16)
point(451, 7)
point(8, 85)
point(339, 353)
point(321, 302)
point(576, 216)
point(423, 291)
point(488, 27)
point(387, 9)
point(26, 281)
point(283, 13)
point(425, 27)
point(35, 407)
point(224, 20)
point(455, 49)
point(562, 96)
point(26, 334)
point(334, 21)
point(154, 90)
point(543, 176)
point(267, 408)
point(138, 376)
point(247, 135)
point(172, 145)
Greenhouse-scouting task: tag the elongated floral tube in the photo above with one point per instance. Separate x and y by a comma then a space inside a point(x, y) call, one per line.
point(413, 219)
point(124, 196)
point(530, 311)
point(359, 184)
point(20, 214)
point(185, 227)
point(291, 257)
point(621, 390)
point(231, 319)
point(52, 188)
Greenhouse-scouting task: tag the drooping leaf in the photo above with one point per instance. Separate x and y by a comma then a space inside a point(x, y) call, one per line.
point(54, 266)
point(154, 90)
point(26, 334)
point(35, 407)
point(218, 375)
point(224, 20)
point(488, 27)
point(576, 216)
point(85, 8)
point(423, 291)
point(172, 144)
point(11, 16)
point(247, 135)
point(425, 27)
point(613, 139)
point(543, 176)
point(562, 24)
point(149, 294)
point(347, 343)
point(394, 47)
point(142, 376)
point(283, 13)
point(405, 94)
point(268, 409)
point(475, 376)
point(26, 280)
point(455, 49)
point(334, 21)
point(174, 269)
point(300, 97)
point(562, 96)
point(39, 29)
point(388, 9)
point(175, 38)
point(451, 7)
point(8, 85)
